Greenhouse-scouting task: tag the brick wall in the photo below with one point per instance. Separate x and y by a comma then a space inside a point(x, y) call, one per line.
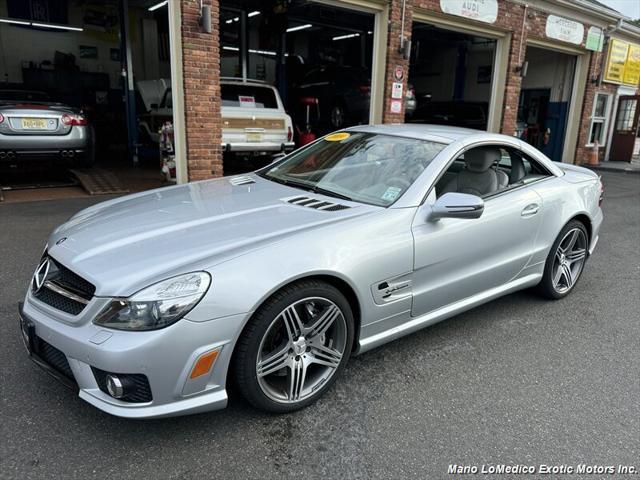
point(395, 58)
point(201, 72)
point(595, 68)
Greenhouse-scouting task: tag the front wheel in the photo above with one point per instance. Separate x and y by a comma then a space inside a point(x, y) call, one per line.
point(565, 262)
point(294, 347)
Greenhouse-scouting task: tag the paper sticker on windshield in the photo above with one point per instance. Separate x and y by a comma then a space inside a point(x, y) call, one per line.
point(337, 137)
point(391, 193)
point(246, 101)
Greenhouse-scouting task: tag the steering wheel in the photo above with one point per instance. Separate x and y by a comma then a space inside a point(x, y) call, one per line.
point(399, 182)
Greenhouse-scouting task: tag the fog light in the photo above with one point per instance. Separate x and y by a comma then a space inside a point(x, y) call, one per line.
point(114, 386)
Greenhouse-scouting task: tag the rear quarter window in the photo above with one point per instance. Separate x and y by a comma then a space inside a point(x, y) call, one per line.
point(245, 96)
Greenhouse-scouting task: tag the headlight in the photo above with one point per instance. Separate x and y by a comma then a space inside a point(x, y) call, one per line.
point(157, 306)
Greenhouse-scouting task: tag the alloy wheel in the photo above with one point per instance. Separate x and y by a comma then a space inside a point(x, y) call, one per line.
point(337, 116)
point(569, 260)
point(302, 349)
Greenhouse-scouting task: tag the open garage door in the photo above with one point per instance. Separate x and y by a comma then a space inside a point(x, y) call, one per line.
point(318, 56)
point(84, 93)
point(545, 97)
point(451, 74)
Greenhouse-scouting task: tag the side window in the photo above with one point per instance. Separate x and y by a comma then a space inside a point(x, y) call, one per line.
point(487, 170)
point(477, 171)
point(521, 169)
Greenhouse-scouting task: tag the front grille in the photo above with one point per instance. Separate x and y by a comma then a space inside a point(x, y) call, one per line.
point(73, 281)
point(69, 281)
point(52, 356)
point(141, 393)
point(59, 302)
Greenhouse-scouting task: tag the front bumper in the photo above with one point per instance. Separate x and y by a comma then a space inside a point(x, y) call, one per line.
point(165, 356)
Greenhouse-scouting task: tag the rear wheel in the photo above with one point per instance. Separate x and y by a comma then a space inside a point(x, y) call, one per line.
point(565, 262)
point(338, 115)
point(294, 347)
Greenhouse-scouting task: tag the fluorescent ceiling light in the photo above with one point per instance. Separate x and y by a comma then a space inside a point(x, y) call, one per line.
point(229, 21)
point(14, 22)
point(233, 49)
point(158, 5)
point(53, 25)
point(253, 14)
point(263, 52)
point(342, 37)
point(43, 25)
point(299, 27)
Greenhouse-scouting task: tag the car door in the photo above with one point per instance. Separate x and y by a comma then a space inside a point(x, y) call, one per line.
point(457, 258)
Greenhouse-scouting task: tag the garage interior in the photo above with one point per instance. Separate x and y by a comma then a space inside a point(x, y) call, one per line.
point(545, 97)
point(108, 60)
point(451, 73)
point(304, 49)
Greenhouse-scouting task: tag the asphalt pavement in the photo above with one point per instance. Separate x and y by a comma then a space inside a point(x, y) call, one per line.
point(521, 380)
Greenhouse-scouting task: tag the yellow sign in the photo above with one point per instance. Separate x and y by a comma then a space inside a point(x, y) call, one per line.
point(623, 63)
point(632, 69)
point(337, 137)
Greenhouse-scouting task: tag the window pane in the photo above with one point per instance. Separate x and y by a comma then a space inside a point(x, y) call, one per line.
point(626, 113)
point(601, 105)
point(596, 132)
point(230, 43)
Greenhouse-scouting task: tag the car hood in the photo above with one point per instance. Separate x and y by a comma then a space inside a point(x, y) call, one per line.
point(128, 243)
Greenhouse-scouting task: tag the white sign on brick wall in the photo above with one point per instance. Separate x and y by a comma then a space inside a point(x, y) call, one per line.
point(481, 10)
point(564, 29)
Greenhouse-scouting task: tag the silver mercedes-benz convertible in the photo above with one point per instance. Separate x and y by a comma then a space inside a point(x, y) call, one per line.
point(151, 304)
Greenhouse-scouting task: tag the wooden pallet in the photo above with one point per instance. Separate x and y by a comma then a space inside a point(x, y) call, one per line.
point(99, 182)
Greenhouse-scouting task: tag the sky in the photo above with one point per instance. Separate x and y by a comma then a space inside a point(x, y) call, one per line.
point(630, 8)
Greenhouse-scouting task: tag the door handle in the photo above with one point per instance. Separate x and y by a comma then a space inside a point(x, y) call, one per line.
point(530, 210)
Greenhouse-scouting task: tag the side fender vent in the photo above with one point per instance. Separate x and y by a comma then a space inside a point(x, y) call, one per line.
point(316, 204)
point(244, 180)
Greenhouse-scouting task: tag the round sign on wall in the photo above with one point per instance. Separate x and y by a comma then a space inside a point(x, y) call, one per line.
point(398, 73)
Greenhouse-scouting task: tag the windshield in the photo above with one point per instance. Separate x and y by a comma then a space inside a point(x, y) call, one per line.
point(364, 167)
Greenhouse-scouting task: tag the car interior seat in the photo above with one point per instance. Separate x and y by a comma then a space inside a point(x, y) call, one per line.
point(479, 177)
point(517, 172)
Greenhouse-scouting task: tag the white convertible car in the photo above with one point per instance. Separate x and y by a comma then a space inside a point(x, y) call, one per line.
point(359, 238)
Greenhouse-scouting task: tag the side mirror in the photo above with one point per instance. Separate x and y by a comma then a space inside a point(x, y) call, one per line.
point(457, 205)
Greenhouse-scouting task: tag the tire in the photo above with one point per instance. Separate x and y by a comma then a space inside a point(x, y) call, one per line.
point(275, 351)
point(338, 115)
point(565, 262)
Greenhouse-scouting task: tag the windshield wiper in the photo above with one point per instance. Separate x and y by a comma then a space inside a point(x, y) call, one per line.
point(288, 183)
point(309, 188)
point(330, 193)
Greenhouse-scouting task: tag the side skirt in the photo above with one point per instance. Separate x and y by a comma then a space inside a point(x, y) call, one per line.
point(443, 313)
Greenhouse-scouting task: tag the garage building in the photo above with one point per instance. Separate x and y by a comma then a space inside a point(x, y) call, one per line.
point(562, 75)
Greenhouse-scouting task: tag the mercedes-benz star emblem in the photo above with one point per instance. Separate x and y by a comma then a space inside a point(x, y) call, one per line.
point(41, 275)
point(61, 240)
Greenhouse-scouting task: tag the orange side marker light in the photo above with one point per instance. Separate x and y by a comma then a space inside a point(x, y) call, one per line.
point(204, 363)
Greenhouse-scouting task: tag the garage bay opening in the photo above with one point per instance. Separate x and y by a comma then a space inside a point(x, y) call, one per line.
point(85, 93)
point(452, 75)
point(545, 97)
point(317, 56)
